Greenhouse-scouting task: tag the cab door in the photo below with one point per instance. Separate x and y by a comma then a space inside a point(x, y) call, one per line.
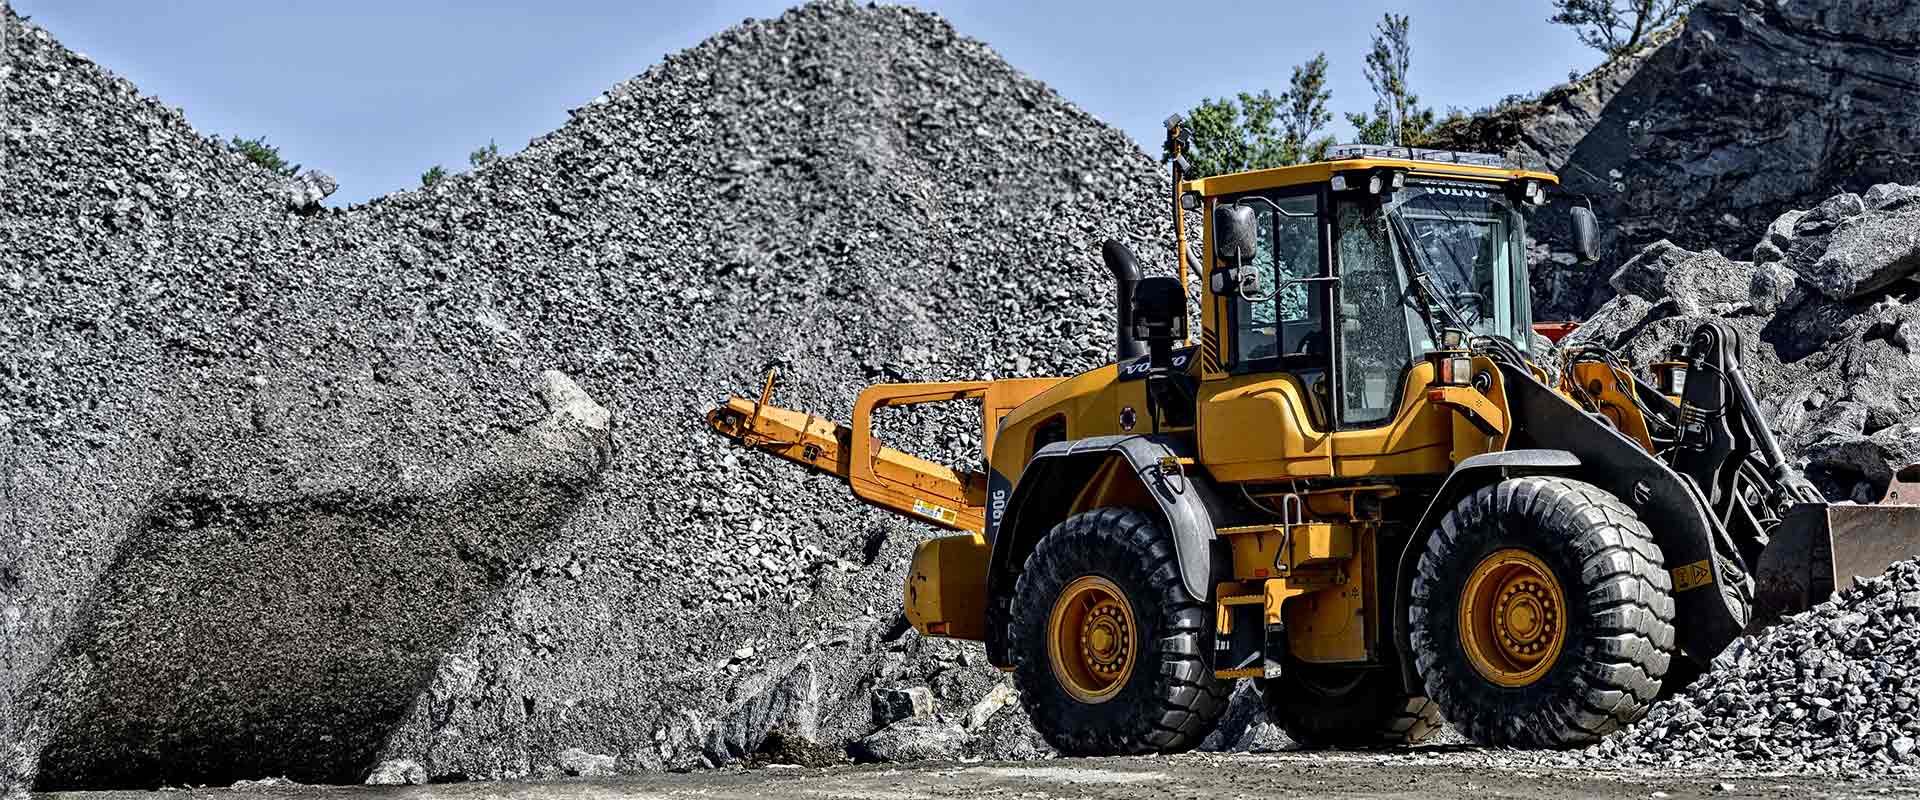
point(1264, 405)
point(1385, 427)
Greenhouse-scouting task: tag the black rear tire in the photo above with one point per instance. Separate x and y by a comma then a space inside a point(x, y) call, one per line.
point(1616, 628)
point(1170, 699)
point(1320, 707)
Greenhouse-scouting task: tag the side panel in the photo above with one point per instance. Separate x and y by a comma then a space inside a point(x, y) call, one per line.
point(1258, 428)
point(1254, 427)
point(1418, 440)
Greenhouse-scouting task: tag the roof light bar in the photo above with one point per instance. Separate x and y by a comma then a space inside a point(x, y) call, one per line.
point(1352, 151)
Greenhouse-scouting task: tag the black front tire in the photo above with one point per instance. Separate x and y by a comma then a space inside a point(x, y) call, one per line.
point(1618, 637)
point(1322, 707)
point(1170, 699)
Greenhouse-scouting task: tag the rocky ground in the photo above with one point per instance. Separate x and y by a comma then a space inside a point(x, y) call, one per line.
point(1446, 772)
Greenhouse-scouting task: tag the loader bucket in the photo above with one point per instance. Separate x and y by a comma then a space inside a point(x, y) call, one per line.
point(1819, 549)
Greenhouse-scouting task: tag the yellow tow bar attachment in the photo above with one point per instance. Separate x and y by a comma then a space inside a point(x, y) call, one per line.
point(880, 475)
point(943, 596)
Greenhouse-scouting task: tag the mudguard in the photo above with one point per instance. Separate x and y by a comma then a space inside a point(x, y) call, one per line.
point(1017, 516)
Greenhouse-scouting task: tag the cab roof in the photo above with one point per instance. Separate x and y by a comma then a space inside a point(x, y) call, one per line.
point(1362, 157)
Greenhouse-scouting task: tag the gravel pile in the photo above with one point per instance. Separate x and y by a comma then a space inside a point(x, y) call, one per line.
point(1834, 690)
point(303, 493)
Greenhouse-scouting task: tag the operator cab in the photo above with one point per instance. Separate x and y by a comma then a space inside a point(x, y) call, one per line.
point(1342, 276)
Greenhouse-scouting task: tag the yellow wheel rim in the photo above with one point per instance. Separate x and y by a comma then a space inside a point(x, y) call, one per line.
point(1512, 618)
point(1091, 639)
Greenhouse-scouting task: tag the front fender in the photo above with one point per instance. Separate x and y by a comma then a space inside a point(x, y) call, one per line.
point(1018, 516)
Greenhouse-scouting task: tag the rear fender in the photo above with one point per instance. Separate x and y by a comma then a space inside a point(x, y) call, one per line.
point(1019, 515)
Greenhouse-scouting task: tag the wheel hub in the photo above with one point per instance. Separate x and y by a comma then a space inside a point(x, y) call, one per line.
point(1091, 639)
point(1511, 611)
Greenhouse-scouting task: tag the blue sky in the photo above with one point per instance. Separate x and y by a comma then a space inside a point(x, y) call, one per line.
point(376, 92)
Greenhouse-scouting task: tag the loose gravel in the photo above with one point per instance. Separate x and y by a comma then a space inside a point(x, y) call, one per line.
point(1833, 690)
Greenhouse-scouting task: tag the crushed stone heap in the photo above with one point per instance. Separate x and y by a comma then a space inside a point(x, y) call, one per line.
point(1835, 689)
point(423, 484)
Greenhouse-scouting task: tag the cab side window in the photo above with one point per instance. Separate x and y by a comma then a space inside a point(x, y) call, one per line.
point(1276, 318)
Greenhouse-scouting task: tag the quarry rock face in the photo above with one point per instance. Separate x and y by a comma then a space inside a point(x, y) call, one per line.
point(1830, 350)
point(1753, 108)
point(423, 484)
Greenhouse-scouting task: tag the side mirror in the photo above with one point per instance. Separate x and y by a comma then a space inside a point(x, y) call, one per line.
point(1159, 318)
point(1586, 234)
point(1234, 233)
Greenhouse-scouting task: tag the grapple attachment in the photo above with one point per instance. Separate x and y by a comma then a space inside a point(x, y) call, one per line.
point(1820, 548)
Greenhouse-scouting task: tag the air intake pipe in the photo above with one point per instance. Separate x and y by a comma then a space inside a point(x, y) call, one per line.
point(1126, 275)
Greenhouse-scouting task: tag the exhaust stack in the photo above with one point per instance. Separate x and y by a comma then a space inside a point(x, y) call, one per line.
point(1126, 275)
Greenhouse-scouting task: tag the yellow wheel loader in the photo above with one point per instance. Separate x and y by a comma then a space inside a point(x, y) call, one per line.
point(1364, 486)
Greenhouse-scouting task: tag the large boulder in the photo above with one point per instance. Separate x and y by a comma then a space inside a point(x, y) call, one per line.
point(1693, 283)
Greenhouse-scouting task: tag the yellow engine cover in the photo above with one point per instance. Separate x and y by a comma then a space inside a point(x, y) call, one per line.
point(947, 588)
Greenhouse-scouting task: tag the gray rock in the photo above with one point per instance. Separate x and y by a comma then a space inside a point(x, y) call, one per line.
point(1870, 459)
point(305, 192)
point(1692, 282)
point(1891, 196)
point(983, 710)
point(1773, 286)
point(914, 739)
point(1866, 254)
point(397, 772)
point(1240, 726)
point(893, 705)
point(579, 763)
point(1779, 237)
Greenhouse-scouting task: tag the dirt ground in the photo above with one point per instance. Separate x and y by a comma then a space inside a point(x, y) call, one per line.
point(1467, 773)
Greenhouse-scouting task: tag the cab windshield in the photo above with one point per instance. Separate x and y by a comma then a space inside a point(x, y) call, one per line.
point(1471, 244)
point(1434, 255)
